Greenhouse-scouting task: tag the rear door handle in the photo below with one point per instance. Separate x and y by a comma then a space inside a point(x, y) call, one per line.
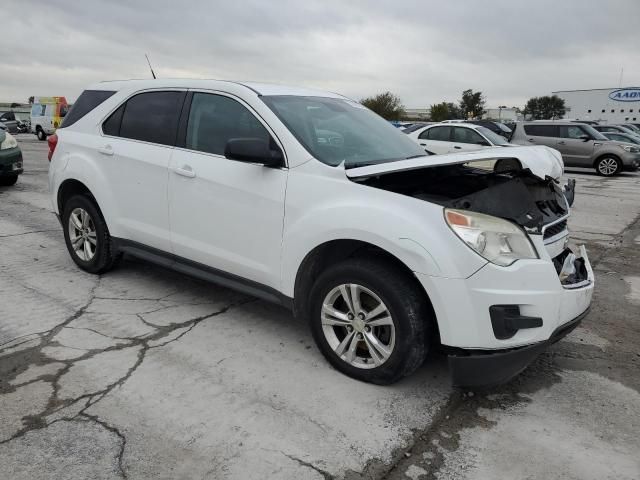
point(423, 144)
point(457, 147)
point(532, 140)
point(562, 143)
point(106, 150)
point(185, 171)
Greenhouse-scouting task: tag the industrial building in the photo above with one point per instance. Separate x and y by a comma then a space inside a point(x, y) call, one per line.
point(606, 105)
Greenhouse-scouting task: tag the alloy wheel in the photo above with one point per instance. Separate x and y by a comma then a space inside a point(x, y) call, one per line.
point(82, 234)
point(358, 326)
point(608, 166)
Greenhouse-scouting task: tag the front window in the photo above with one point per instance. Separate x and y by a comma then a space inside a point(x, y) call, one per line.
point(492, 136)
point(336, 130)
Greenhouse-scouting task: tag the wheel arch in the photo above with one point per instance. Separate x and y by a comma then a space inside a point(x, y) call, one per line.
point(68, 189)
point(334, 251)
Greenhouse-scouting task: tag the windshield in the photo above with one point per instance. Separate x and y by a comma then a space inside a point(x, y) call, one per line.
point(336, 130)
point(596, 135)
point(493, 137)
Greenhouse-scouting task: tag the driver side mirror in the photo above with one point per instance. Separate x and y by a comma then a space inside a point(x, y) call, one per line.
point(585, 138)
point(254, 150)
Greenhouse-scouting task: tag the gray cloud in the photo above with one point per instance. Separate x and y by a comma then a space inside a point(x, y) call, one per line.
point(424, 51)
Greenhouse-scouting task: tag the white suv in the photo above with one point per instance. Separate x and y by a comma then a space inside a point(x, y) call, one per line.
point(308, 199)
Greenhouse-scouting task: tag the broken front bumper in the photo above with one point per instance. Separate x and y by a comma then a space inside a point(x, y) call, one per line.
point(494, 323)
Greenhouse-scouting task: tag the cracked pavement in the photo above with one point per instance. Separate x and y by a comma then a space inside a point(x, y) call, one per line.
point(146, 373)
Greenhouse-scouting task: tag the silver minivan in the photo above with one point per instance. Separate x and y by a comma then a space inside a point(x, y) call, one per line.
point(580, 145)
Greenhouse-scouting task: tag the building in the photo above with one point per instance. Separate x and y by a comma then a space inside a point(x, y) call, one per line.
point(417, 113)
point(606, 105)
point(502, 114)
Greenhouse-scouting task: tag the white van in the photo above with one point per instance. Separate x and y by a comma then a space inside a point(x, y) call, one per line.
point(47, 114)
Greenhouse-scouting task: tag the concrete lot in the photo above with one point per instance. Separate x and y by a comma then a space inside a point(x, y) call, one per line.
point(144, 373)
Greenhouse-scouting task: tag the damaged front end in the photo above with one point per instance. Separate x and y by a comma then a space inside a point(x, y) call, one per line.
point(499, 187)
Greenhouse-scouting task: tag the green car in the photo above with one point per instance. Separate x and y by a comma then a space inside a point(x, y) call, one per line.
point(10, 159)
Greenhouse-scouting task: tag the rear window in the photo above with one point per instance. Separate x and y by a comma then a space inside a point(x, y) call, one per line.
point(87, 101)
point(149, 117)
point(542, 130)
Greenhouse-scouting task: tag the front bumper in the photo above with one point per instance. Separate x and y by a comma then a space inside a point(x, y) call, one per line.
point(631, 161)
point(536, 307)
point(489, 368)
point(11, 162)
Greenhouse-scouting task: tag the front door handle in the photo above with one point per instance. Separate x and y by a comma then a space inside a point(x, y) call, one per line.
point(106, 150)
point(423, 144)
point(185, 171)
point(562, 143)
point(457, 147)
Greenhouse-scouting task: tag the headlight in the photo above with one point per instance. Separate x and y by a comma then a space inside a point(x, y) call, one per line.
point(499, 241)
point(630, 148)
point(9, 142)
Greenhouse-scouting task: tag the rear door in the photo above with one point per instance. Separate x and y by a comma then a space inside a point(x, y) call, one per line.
point(542, 135)
point(436, 139)
point(225, 214)
point(576, 145)
point(134, 156)
point(467, 139)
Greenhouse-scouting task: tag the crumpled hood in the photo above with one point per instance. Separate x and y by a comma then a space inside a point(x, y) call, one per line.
point(542, 161)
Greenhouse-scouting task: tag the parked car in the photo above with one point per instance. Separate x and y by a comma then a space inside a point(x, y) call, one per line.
point(416, 126)
point(496, 127)
point(615, 128)
point(3, 126)
point(622, 137)
point(10, 159)
point(47, 114)
point(10, 121)
point(456, 137)
point(632, 127)
point(382, 249)
point(580, 145)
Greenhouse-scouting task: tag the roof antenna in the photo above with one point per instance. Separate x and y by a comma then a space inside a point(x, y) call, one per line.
point(150, 67)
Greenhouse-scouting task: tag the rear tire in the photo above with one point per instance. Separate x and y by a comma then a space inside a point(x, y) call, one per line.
point(41, 135)
point(608, 166)
point(8, 180)
point(87, 236)
point(379, 348)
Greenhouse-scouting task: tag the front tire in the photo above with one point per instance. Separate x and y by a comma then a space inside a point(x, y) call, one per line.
point(87, 236)
point(608, 166)
point(370, 320)
point(8, 180)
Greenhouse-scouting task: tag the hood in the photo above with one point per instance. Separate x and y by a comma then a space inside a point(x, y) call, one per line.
point(543, 162)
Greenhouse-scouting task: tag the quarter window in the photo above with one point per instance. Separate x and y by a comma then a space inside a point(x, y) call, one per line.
point(542, 130)
point(149, 117)
point(215, 119)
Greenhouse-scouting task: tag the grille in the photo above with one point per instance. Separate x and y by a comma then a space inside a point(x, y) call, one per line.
point(554, 230)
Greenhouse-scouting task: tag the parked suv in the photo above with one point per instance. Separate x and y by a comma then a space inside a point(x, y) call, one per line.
point(308, 199)
point(580, 145)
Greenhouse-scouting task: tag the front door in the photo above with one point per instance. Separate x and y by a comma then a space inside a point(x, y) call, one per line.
point(225, 214)
point(576, 145)
point(436, 139)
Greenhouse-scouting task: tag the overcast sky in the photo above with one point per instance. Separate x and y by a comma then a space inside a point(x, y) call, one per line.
point(424, 51)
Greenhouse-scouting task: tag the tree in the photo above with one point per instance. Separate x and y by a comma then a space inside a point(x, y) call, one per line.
point(545, 108)
point(31, 100)
point(472, 104)
point(387, 105)
point(444, 111)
